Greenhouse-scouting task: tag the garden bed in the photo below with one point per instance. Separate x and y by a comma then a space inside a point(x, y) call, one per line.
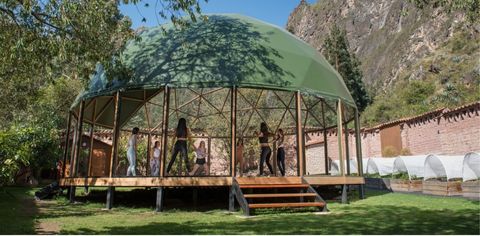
point(405, 185)
point(471, 190)
point(442, 188)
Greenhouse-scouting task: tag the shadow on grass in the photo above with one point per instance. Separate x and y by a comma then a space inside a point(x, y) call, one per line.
point(18, 211)
point(175, 198)
point(355, 220)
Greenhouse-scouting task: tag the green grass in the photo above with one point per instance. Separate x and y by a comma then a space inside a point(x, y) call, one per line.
point(380, 213)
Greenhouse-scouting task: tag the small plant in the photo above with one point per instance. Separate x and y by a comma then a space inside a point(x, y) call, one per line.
point(389, 151)
point(400, 175)
point(405, 152)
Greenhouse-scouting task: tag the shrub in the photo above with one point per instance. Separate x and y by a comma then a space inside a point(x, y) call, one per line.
point(405, 152)
point(389, 151)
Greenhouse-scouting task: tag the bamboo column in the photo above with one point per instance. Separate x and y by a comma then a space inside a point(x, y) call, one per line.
point(79, 139)
point(67, 144)
point(347, 148)
point(300, 143)
point(113, 157)
point(358, 146)
point(166, 105)
point(325, 144)
point(116, 131)
point(233, 132)
point(91, 138)
point(340, 137)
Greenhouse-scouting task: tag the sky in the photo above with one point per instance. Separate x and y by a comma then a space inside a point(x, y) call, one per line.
point(272, 11)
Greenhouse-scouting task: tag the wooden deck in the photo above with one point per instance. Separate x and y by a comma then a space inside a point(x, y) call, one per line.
point(202, 181)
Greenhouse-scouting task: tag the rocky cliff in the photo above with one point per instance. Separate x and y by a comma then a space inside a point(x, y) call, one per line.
point(389, 36)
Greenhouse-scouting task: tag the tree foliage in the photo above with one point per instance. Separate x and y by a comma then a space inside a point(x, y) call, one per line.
point(338, 53)
point(48, 51)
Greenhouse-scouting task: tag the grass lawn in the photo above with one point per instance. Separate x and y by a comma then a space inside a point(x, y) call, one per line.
point(380, 213)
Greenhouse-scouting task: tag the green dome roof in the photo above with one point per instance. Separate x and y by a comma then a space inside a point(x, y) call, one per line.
point(224, 51)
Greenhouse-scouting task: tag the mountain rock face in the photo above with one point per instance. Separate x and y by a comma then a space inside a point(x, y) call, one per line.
point(389, 36)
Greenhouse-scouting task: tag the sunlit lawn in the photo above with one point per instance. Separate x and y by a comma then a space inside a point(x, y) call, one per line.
point(380, 213)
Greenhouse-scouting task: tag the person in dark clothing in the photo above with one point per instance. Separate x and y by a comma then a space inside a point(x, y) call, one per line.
point(265, 150)
point(180, 146)
point(280, 151)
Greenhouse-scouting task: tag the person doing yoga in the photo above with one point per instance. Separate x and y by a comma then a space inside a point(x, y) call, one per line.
point(279, 138)
point(181, 134)
point(265, 150)
point(132, 152)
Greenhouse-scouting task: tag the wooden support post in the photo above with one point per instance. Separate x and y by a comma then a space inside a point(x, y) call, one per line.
point(340, 137)
point(358, 146)
point(149, 153)
point(347, 148)
point(90, 151)
point(79, 140)
point(116, 134)
point(344, 194)
point(325, 143)
point(166, 104)
point(72, 194)
point(67, 144)
point(231, 200)
point(300, 135)
point(209, 144)
point(110, 195)
point(159, 201)
point(195, 197)
point(233, 132)
point(274, 158)
point(73, 147)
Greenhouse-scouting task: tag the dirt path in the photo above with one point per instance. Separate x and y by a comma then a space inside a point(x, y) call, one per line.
point(42, 227)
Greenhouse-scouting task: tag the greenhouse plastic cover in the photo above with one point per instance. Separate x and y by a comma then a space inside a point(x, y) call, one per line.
point(471, 166)
point(382, 166)
point(413, 165)
point(437, 166)
point(335, 169)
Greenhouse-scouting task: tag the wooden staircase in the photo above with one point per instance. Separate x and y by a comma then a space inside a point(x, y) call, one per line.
point(275, 192)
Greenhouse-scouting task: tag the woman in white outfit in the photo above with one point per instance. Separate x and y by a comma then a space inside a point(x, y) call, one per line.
point(132, 152)
point(155, 161)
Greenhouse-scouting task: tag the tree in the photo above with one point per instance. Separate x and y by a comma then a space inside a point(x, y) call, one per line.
point(48, 51)
point(337, 52)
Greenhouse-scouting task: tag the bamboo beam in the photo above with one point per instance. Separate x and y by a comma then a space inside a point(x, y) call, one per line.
point(233, 124)
point(79, 139)
point(67, 143)
point(300, 143)
point(166, 105)
point(90, 151)
point(104, 108)
point(116, 131)
point(325, 143)
point(340, 137)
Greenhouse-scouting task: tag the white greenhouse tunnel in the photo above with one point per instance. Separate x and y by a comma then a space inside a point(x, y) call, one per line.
point(438, 166)
point(471, 167)
point(335, 167)
point(380, 165)
point(412, 165)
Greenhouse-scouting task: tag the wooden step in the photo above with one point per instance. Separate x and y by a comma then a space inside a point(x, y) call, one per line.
point(289, 204)
point(274, 186)
point(279, 195)
point(269, 180)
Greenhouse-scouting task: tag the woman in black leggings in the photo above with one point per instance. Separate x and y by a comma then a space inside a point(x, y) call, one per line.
point(180, 146)
point(280, 151)
point(266, 151)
